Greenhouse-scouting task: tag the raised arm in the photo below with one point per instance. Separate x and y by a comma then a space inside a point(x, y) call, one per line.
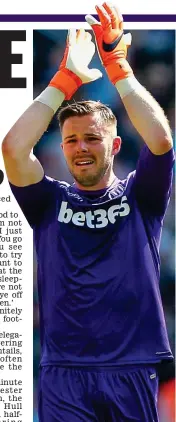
point(144, 112)
point(22, 166)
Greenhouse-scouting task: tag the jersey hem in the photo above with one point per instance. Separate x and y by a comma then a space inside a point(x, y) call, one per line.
point(106, 365)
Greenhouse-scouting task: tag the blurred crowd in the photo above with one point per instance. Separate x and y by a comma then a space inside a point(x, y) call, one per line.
point(152, 59)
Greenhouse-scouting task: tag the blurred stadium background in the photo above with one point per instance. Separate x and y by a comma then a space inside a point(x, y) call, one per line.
point(152, 57)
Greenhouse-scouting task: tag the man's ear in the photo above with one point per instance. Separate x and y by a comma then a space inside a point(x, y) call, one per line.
point(116, 145)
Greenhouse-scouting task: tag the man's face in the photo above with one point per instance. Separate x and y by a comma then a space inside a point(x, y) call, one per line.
point(89, 146)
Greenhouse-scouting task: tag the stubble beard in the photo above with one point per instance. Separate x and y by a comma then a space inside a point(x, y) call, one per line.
point(92, 179)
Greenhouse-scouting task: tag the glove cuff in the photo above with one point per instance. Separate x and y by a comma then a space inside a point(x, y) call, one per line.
point(66, 81)
point(120, 69)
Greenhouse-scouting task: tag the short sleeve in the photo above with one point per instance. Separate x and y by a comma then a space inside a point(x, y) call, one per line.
point(153, 181)
point(35, 200)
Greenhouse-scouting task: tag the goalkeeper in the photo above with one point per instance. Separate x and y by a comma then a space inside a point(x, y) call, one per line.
point(102, 326)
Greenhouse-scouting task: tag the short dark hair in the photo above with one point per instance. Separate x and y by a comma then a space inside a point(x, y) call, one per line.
point(84, 108)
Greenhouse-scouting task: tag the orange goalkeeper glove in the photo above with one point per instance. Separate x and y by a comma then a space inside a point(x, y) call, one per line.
point(74, 70)
point(111, 42)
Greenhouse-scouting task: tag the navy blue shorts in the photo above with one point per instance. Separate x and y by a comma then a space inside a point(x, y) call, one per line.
point(90, 395)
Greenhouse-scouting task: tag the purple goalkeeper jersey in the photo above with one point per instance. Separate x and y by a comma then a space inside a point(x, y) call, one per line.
point(99, 266)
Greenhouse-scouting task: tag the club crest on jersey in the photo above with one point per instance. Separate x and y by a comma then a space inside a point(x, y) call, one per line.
point(93, 219)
